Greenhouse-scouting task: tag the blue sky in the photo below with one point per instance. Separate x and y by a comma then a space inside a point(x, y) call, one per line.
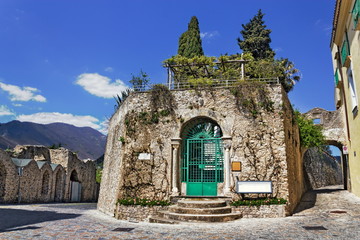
point(64, 60)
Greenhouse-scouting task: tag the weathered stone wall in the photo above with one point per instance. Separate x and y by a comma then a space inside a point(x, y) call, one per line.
point(9, 179)
point(264, 211)
point(294, 163)
point(332, 124)
point(44, 180)
point(322, 169)
point(146, 123)
point(38, 153)
point(30, 183)
point(137, 213)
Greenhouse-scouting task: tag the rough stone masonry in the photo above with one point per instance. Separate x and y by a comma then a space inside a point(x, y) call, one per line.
point(146, 138)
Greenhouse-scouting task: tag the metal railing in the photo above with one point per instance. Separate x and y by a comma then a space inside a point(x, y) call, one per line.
point(213, 83)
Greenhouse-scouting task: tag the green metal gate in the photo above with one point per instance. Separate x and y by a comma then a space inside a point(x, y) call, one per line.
point(202, 161)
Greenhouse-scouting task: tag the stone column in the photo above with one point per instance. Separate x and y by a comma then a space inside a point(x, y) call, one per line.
point(227, 165)
point(175, 143)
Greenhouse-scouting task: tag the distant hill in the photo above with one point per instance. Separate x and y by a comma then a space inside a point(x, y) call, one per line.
point(85, 141)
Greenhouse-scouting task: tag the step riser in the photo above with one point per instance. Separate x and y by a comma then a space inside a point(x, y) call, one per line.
point(185, 204)
point(202, 218)
point(200, 210)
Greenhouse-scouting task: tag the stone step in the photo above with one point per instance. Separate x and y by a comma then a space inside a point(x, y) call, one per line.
point(200, 217)
point(201, 203)
point(218, 210)
point(157, 219)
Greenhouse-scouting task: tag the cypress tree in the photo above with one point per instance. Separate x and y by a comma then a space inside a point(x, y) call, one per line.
point(190, 41)
point(256, 38)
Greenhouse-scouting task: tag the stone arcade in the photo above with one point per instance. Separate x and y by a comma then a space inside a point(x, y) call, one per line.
point(39, 174)
point(202, 142)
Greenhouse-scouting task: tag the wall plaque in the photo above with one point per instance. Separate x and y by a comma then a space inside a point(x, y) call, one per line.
point(254, 187)
point(144, 156)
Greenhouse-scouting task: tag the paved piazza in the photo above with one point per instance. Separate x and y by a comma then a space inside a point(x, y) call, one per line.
point(327, 213)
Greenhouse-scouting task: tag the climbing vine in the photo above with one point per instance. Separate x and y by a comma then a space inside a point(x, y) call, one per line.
point(253, 97)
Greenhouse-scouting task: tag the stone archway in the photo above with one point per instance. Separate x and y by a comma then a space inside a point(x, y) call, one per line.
point(45, 183)
point(2, 181)
point(75, 187)
point(334, 133)
point(201, 157)
point(59, 186)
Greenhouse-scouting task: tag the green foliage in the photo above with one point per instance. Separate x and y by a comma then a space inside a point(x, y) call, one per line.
point(119, 100)
point(269, 68)
point(140, 81)
point(201, 68)
point(55, 146)
point(98, 174)
point(253, 97)
point(122, 139)
point(310, 133)
point(256, 38)
point(259, 202)
point(142, 202)
point(190, 41)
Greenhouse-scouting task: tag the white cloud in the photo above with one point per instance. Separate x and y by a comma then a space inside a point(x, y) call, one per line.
point(22, 94)
point(53, 117)
point(100, 86)
point(208, 35)
point(5, 111)
point(109, 69)
point(17, 104)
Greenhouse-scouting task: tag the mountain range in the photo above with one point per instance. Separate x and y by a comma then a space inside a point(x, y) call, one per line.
point(85, 141)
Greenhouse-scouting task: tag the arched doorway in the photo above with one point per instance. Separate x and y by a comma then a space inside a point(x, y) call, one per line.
point(45, 184)
point(59, 186)
point(202, 158)
point(2, 181)
point(325, 166)
point(75, 187)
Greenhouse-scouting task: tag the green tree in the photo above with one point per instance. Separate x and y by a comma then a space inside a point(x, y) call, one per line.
point(289, 75)
point(256, 38)
point(190, 41)
point(140, 81)
point(310, 133)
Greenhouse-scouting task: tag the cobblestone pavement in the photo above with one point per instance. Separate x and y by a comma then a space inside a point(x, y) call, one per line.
point(327, 213)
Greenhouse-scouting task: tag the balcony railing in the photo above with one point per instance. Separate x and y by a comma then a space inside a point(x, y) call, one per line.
point(184, 84)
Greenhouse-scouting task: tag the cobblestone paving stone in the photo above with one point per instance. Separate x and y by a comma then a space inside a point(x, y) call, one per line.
point(83, 221)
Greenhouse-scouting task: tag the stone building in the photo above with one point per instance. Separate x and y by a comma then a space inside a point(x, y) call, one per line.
point(39, 174)
point(235, 142)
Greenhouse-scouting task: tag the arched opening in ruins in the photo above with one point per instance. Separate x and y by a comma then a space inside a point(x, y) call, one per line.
point(45, 183)
point(75, 187)
point(202, 157)
point(2, 181)
point(326, 166)
point(59, 186)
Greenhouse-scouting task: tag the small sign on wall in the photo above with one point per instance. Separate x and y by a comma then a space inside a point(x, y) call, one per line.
point(144, 156)
point(236, 166)
point(254, 187)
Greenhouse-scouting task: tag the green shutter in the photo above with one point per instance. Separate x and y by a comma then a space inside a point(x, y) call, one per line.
point(356, 12)
point(336, 77)
point(344, 51)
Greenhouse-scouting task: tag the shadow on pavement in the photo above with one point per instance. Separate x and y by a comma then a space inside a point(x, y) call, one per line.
point(308, 200)
point(12, 219)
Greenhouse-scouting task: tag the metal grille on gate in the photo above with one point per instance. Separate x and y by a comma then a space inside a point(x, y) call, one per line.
point(202, 160)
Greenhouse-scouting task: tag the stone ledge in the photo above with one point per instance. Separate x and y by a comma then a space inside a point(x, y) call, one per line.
point(137, 212)
point(263, 211)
